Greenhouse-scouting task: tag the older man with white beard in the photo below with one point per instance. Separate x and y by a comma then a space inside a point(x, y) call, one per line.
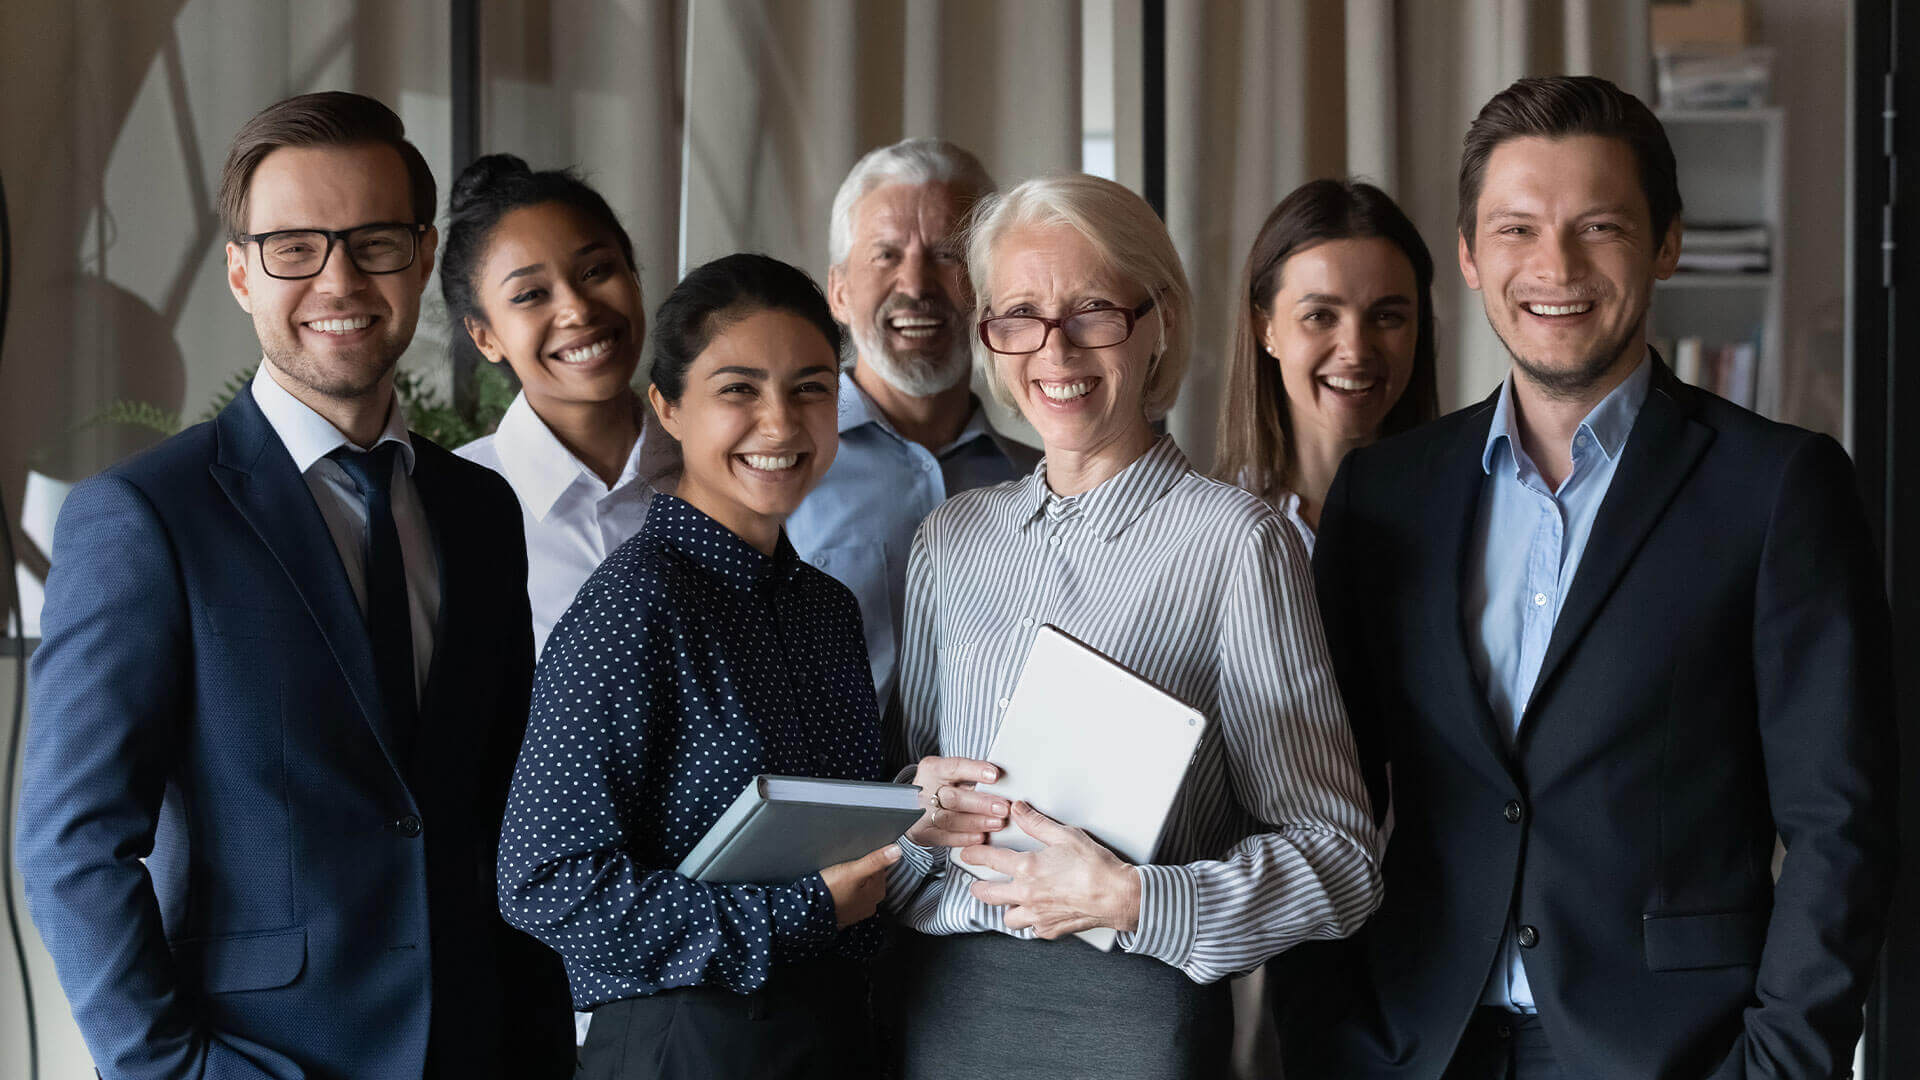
point(911, 431)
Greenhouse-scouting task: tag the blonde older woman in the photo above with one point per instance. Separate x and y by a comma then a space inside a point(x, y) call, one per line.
point(1085, 326)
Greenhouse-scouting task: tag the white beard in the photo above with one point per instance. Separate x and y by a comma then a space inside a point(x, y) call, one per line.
point(913, 377)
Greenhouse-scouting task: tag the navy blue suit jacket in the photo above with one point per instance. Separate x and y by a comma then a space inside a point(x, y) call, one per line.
point(1718, 674)
point(239, 869)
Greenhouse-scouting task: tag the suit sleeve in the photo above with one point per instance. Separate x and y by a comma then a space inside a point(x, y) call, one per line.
point(540, 1040)
point(1821, 641)
point(109, 694)
point(1333, 554)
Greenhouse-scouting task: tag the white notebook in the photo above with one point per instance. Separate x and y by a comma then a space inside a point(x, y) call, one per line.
point(1089, 743)
point(783, 828)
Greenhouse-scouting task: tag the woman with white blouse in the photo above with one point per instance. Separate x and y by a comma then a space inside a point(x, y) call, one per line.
point(1333, 344)
point(539, 272)
point(1084, 326)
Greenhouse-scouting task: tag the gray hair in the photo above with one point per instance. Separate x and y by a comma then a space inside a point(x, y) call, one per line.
point(1129, 238)
point(909, 161)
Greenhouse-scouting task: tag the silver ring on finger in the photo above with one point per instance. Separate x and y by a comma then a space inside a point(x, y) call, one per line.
point(935, 797)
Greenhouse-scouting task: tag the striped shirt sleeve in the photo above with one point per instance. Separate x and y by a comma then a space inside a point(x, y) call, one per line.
point(1313, 873)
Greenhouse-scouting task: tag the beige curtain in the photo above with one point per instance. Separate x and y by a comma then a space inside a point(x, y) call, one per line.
point(1263, 95)
point(783, 96)
point(594, 85)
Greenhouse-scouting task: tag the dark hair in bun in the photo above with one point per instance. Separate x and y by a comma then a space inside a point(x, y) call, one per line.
point(487, 191)
point(723, 292)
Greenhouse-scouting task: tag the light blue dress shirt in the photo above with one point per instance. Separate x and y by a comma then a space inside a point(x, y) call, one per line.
point(1527, 543)
point(858, 525)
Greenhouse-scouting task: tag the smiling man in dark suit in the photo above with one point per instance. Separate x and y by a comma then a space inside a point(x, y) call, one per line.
point(284, 678)
point(1602, 637)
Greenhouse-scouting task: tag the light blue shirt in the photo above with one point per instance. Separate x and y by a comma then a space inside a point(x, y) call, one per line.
point(858, 525)
point(1527, 543)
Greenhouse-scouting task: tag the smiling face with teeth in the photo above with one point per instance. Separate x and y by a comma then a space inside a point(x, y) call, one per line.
point(758, 422)
point(338, 334)
point(1343, 327)
point(902, 290)
point(561, 306)
point(1564, 256)
point(1086, 404)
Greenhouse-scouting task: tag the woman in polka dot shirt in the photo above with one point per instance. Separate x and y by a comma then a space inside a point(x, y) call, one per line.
point(702, 653)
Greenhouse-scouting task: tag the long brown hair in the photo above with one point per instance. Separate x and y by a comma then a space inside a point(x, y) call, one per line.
point(1255, 444)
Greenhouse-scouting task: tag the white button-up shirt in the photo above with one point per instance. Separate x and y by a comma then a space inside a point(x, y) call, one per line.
point(573, 520)
point(309, 438)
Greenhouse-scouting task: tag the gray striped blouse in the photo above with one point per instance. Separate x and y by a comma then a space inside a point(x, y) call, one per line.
point(1203, 590)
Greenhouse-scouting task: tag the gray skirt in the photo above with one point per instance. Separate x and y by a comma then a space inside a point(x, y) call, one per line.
point(972, 1005)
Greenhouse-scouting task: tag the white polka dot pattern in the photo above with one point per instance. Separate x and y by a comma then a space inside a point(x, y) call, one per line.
point(688, 664)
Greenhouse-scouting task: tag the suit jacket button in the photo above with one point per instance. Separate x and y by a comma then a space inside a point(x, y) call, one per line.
point(1512, 812)
point(1528, 937)
point(408, 826)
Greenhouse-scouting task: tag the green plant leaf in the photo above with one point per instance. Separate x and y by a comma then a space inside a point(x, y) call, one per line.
point(223, 397)
point(140, 414)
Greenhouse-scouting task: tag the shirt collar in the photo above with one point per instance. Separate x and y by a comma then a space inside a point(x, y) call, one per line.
point(310, 437)
point(540, 468)
point(1119, 500)
point(1608, 424)
point(713, 547)
point(856, 408)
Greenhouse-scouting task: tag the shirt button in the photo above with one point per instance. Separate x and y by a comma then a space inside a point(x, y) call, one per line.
point(1004, 703)
point(1528, 937)
point(1539, 599)
point(1512, 812)
point(1054, 540)
point(1028, 621)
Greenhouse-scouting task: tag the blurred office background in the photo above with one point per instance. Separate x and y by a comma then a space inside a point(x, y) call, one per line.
point(721, 125)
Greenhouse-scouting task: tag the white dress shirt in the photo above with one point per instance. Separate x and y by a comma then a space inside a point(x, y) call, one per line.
point(310, 437)
point(1288, 506)
point(573, 520)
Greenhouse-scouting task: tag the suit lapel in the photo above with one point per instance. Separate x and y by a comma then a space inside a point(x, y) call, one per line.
point(1660, 454)
point(252, 466)
point(1456, 491)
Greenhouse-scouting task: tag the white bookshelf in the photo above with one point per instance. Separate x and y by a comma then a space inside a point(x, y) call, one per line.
point(1732, 171)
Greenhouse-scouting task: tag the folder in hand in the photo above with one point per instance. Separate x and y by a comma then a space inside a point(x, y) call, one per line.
point(783, 828)
point(1089, 743)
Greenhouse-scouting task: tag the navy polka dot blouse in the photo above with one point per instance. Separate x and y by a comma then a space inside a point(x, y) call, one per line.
point(688, 664)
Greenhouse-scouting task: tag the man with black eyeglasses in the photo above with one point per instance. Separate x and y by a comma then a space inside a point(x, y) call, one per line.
point(284, 678)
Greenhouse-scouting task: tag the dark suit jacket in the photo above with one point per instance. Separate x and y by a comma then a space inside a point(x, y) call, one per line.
point(233, 871)
point(1718, 672)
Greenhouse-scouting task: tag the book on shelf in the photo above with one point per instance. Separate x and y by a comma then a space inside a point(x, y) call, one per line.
point(1738, 368)
point(1730, 369)
point(1724, 262)
point(1686, 360)
point(1724, 237)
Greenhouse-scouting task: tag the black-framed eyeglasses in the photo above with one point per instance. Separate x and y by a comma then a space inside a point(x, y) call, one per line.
point(384, 247)
point(1098, 328)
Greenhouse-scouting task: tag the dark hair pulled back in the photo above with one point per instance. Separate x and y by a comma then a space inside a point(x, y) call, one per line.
point(718, 294)
point(487, 191)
